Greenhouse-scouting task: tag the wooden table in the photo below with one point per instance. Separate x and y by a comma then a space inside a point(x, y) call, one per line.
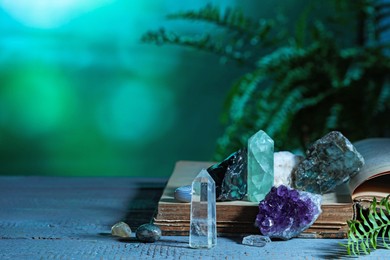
point(70, 218)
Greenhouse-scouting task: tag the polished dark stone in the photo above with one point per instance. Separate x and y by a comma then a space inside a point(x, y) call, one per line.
point(148, 233)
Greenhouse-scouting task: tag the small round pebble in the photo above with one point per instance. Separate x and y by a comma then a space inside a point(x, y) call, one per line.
point(121, 229)
point(148, 233)
point(183, 193)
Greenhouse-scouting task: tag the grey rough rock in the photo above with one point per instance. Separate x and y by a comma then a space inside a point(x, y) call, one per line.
point(329, 161)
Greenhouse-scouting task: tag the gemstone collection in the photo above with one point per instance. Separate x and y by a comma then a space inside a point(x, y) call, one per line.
point(288, 188)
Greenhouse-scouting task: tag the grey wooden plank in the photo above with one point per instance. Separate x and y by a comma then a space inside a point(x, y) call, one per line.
point(70, 218)
point(170, 248)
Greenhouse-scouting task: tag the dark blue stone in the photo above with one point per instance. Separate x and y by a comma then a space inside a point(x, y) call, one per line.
point(148, 233)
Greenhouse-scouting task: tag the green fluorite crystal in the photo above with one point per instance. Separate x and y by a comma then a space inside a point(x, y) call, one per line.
point(260, 166)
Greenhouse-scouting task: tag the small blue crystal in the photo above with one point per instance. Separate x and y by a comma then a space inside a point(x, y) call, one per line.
point(286, 212)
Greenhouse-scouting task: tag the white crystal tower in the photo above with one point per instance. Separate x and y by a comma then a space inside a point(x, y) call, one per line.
point(260, 166)
point(203, 224)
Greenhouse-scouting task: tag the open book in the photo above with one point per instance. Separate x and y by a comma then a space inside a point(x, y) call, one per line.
point(374, 178)
point(238, 217)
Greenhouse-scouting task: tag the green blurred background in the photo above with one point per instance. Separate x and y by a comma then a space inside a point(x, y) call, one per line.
point(80, 94)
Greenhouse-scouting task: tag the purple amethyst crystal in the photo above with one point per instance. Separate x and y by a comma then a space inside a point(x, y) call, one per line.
point(286, 212)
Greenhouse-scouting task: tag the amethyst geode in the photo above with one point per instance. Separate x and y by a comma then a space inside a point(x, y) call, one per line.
point(286, 212)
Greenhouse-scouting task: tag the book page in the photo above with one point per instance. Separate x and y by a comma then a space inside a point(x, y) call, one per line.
point(376, 154)
point(378, 187)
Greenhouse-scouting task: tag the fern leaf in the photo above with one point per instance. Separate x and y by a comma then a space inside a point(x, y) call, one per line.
point(364, 235)
point(231, 18)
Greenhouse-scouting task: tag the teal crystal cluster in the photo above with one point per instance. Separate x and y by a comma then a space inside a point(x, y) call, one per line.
point(230, 176)
point(260, 166)
point(286, 212)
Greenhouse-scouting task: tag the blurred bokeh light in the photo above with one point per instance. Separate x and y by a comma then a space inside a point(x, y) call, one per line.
point(81, 95)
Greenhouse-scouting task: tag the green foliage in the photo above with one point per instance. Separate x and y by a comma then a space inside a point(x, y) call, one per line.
point(372, 232)
point(302, 85)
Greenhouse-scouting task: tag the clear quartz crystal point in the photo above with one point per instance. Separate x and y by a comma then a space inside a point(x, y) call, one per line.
point(260, 166)
point(203, 224)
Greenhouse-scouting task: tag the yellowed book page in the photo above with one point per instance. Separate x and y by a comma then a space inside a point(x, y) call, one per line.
point(376, 153)
point(378, 187)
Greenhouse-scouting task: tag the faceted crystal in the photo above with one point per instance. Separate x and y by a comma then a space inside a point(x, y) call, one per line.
point(260, 166)
point(256, 240)
point(203, 223)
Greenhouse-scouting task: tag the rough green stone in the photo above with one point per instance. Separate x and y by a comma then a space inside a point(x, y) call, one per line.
point(330, 161)
point(260, 166)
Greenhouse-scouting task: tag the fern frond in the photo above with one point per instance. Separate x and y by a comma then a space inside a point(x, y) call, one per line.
point(201, 42)
point(231, 18)
point(363, 235)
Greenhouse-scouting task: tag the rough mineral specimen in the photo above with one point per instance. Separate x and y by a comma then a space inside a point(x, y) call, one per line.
point(260, 166)
point(148, 233)
point(121, 229)
point(284, 164)
point(183, 193)
point(330, 161)
point(230, 176)
point(203, 217)
point(256, 240)
point(286, 212)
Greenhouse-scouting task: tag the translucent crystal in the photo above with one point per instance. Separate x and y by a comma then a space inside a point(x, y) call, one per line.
point(256, 240)
point(121, 229)
point(260, 166)
point(203, 223)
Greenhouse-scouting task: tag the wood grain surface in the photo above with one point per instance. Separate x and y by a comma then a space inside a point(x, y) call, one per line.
point(70, 218)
